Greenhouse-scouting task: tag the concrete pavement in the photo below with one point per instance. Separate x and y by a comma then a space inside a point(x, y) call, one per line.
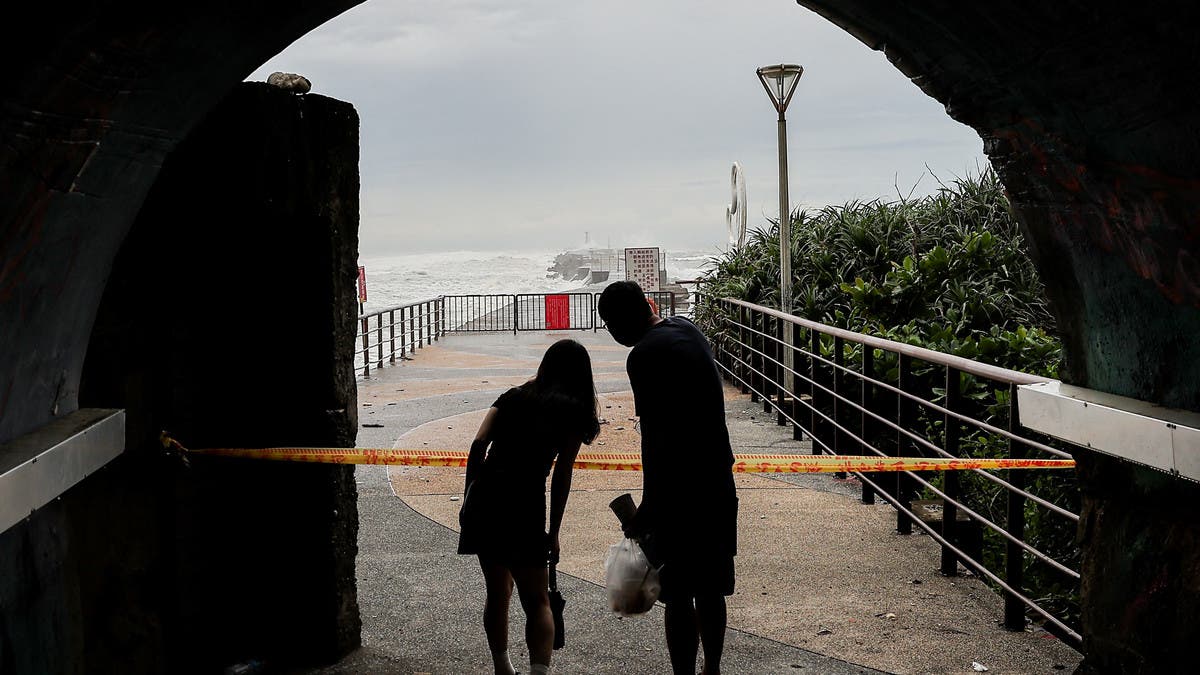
point(825, 585)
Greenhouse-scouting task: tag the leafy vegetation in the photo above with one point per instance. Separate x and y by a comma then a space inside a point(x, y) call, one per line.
point(948, 272)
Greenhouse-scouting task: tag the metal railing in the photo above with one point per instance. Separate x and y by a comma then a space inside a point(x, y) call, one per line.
point(393, 333)
point(397, 331)
point(851, 393)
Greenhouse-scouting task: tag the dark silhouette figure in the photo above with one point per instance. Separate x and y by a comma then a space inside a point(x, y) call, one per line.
point(527, 430)
point(689, 505)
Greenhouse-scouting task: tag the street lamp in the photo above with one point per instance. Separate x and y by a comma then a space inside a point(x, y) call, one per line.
point(780, 82)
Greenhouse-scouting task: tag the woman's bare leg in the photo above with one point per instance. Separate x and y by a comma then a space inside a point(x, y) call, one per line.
point(532, 587)
point(499, 583)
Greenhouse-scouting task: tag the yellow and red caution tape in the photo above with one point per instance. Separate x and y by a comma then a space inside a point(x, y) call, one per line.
point(742, 463)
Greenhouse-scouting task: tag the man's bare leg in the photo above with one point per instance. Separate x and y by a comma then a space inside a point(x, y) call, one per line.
point(711, 617)
point(683, 636)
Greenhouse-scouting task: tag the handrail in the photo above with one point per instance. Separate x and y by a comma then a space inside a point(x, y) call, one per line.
point(838, 402)
point(920, 353)
point(404, 306)
point(428, 320)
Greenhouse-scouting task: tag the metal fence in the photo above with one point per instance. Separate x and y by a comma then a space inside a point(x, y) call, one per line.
point(851, 393)
point(393, 333)
point(389, 334)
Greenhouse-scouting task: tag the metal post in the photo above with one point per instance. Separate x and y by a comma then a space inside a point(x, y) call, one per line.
point(904, 419)
point(867, 424)
point(392, 334)
point(769, 358)
point(742, 354)
point(783, 392)
point(379, 337)
point(412, 330)
point(755, 359)
point(785, 241)
point(366, 346)
point(815, 351)
point(839, 388)
point(794, 391)
point(1014, 556)
point(950, 481)
point(401, 332)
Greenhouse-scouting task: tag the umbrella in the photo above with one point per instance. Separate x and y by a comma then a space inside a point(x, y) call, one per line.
point(557, 603)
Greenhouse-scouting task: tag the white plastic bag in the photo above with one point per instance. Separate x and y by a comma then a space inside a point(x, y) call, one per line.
point(631, 580)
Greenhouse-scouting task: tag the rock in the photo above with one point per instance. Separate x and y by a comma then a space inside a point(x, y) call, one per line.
point(292, 82)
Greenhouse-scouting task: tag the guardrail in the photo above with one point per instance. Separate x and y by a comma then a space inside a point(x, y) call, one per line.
point(407, 327)
point(851, 393)
point(393, 333)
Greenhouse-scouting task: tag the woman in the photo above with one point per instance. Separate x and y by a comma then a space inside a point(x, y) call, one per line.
point(528, 429)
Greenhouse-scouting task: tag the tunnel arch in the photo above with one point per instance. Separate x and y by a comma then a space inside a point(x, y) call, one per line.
point(1086, 111)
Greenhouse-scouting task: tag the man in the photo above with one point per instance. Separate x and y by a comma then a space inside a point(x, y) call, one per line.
point(689, 505)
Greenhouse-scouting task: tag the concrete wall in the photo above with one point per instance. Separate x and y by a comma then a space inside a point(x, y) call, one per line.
point(229, 321)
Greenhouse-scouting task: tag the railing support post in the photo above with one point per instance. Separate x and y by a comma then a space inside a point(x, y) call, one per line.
point(781, 393)
point(1014, 557)
point(867, 423)
point(839, 388)
point(797, 406)
point(379, 338)
point(366, 345)
point(412, 330)
point(814, 347)
point(950, 486)
point(742, 352)
point(392, 335)
point(768, 360)
point(904, 419)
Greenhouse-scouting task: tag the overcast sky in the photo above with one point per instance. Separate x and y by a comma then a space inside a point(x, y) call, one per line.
point(522, 124)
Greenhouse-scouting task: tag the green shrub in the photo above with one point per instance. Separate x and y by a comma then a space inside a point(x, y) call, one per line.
point(948, 272)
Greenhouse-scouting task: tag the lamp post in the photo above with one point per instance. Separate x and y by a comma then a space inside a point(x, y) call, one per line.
point(780, 82)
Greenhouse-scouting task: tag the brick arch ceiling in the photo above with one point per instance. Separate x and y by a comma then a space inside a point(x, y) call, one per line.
point(1085, 111)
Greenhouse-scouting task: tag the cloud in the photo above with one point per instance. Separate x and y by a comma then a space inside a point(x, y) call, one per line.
point(523, 123)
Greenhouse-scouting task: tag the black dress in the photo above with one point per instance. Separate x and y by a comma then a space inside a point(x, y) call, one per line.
point(526, 435)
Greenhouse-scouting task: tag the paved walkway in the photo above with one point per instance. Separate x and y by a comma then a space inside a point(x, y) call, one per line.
point(825, 585)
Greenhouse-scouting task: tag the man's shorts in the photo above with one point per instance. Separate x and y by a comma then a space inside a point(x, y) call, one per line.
point(683, 578)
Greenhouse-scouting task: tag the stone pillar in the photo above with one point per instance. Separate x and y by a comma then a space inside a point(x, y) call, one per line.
point(229, 321)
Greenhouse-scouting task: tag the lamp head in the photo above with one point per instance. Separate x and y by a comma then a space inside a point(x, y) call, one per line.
point(780, 82)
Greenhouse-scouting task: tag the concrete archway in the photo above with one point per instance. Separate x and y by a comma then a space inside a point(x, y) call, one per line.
point(1086, 111)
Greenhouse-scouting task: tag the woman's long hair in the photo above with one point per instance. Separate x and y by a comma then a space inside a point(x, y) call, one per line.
point(565, 377)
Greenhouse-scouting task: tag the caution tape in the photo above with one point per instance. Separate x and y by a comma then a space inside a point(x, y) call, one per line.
point(742, 463)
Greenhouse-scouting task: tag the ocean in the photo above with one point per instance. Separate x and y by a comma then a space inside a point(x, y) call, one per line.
point(400, 279)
